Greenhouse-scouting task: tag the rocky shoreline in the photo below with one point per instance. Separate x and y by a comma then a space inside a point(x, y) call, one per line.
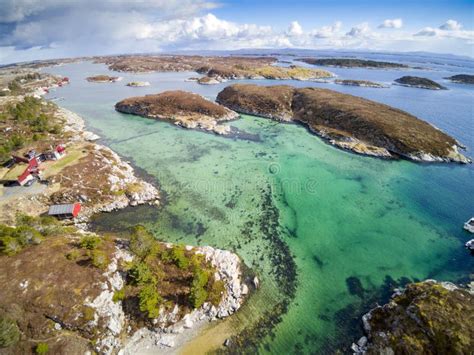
point(170, 329)
point(428, 317)
point(121, 173)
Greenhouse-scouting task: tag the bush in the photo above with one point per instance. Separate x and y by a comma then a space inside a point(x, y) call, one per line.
point(198, 294)
point(179, 257)
point(73, 255)
point(119, 295)
point(150, 300)
point(9, 245)
point(9, 332)
point(99, 259)
point(90, 242)
point(140, 274)
point(41, 348)
point(216, 292)
point(142, 242)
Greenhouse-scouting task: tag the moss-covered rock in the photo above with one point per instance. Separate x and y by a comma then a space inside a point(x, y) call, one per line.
point(425, 318)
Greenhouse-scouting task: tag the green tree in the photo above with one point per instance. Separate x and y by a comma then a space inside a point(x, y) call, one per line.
point(142, 242)
point(198, 294)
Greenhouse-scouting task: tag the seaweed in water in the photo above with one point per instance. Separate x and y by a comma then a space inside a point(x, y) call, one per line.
point(355, 286)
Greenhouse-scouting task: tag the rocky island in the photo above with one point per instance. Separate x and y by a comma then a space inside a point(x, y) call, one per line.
point(181, 108)
point(352, 63)
point(349, 122)
point(360, 83)
point(425, 318)
point(420, 83)
point(137, 84)
point(217, 68)
point(103, 79)
point(462, 79)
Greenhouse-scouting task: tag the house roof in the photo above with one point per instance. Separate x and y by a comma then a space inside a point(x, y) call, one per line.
point(62, 209)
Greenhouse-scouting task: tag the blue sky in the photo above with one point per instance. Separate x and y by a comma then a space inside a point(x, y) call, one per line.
point(40, 29)
point(416, 14)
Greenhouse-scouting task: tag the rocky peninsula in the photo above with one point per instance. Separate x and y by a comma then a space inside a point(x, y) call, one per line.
point(462, 79)
point(425, 318)
point(349, 122)
point(181, 108)
point(103, 79)
point(360, 83)
point(352, 63)
point(420, 83)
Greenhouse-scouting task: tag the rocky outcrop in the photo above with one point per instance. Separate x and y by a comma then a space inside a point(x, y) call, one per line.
point(349, 122)
point(352, 63)
point(420, 83)
point(360, 83)
point(462, 79)
point(425, 318)
point(181, 108)
point(171, 328)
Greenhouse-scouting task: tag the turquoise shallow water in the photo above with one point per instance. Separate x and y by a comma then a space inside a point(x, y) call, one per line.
point(329, 233)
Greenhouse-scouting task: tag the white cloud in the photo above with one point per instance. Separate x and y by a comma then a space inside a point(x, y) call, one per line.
point(392, 23)
point(451, 25)
point(360, 30)
point(295, 29)
point(39, 29)
point(328, 31)
point(451, 29)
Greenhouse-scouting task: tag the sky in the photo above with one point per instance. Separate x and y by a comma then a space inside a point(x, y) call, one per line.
point(45, 29)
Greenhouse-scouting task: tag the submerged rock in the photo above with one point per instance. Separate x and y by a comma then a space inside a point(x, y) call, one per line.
point(426, 318)
point(349, 122)
point(421, 83)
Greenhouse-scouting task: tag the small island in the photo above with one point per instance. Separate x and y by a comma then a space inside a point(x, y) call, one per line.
point(462, 79)
point(425, 318)
point(360, 83)
point(420, 83)
point(349, 122)
point(207, 80)
point(138, 84)
point(103, 79)
point(352, 63)
point(181, 108)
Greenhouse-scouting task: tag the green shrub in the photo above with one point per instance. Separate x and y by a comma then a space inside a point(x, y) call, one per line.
point(140, 274)
point(99, 259)
point(9, 332)
point(198, 294)
point(9, 245)
point(73, 255)
point(150, 300)
point(41, 348)
point(119, 295)
point(216, 292)
point(142, 242)
point(179, 257)
point(27, 235)
point(90, 242)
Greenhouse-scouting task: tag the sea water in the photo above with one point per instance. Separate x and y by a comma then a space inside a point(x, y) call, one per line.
point(328, 233)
